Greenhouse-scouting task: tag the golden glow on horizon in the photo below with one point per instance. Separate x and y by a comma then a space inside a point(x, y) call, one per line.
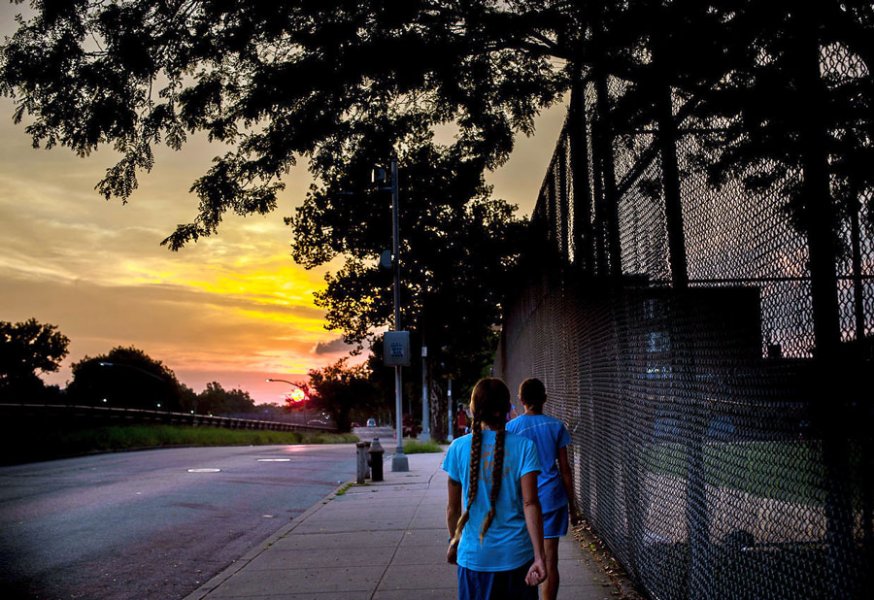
point(230, 308)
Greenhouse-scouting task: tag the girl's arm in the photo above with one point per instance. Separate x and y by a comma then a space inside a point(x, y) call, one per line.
point(534, 524)
point(567, 477)
point(453, 513)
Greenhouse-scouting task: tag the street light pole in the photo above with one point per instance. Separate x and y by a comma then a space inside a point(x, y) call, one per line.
point(399, 462)
point(425, 436)
point(451, 409)
point(291, 383)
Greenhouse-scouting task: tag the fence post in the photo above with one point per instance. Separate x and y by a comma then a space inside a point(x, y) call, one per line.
point(667, 141)
point(819, 219)
point(607, 204)
point(609, 201)
point(856, 250)
point(584, 253)
point(563, 227)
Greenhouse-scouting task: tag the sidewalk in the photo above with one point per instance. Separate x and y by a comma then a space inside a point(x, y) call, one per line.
point(380, 541)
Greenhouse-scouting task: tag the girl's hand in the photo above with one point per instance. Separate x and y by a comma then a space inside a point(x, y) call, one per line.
point(576, 516)
point(452, 554)
point(536, 573)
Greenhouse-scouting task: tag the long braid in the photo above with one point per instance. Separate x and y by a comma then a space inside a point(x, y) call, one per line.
point(476, 447)
point(489, 404)
point(497, 478)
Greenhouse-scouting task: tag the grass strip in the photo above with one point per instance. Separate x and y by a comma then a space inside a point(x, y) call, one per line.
point(417, 447)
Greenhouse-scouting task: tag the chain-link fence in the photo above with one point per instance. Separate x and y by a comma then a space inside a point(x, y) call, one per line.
point(722, 433)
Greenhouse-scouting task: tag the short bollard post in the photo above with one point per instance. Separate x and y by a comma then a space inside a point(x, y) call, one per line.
point(361, 449)
point(376, 453)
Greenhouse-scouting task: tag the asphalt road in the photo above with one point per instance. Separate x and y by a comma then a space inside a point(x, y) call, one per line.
point(152, 524)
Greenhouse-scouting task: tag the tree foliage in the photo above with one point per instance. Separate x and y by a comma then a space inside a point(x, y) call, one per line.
point(125, 377)
point(215, 400)
point(344, 392)
point(769, 90)
point(27, 348)
point(274, 81)
point(458, 245)
point(279, 80)
point(343, 84)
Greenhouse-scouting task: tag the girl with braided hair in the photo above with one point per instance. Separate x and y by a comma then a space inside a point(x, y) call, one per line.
point(497, 540)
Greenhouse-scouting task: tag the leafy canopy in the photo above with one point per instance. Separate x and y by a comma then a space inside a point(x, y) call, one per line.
point(28, 347)
point(275, 81)
point(458, 244)
point(344, 84)
point(125, 376)
point(216, 400)
point(343, 392)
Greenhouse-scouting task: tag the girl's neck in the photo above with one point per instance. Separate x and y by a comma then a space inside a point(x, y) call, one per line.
point(495, 427)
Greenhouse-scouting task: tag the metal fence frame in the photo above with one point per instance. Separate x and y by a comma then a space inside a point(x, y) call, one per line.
point(696, 342)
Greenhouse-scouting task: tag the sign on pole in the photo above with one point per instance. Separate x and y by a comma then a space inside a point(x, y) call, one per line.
point(396, 348)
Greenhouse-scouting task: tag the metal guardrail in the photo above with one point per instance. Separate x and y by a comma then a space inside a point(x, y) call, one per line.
point(135, 415)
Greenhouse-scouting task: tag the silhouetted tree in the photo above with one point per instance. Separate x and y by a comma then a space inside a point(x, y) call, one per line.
point(345, 393)
point(774, 95)
point(458, 246)
point(215, 400)
point(27, 348)
point(279, 80)
point(125, 377)
point(343, 84)
point(187, 399)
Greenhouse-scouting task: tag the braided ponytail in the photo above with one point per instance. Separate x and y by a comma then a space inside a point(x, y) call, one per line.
point(489, 404)
point(497, 478)
point(476, 449)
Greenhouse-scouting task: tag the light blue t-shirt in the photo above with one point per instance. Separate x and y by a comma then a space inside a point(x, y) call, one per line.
point(507, 542)
point(549, 435)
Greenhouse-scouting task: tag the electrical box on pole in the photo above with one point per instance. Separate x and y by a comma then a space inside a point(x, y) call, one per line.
point(396, 349)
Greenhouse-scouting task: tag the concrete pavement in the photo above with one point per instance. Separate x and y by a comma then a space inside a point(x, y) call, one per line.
point(379, 541)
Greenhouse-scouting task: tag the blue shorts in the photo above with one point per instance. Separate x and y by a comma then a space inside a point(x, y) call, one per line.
point(496, 585)
point(555, 523)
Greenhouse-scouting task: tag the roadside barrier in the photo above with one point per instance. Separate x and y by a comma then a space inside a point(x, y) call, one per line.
point(139, 415)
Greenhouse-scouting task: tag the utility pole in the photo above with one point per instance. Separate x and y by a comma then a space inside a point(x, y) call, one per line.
point(425, 436)
point(451, 409)
point(399, 462)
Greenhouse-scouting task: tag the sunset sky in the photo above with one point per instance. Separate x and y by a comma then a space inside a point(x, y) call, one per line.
point(232, 308)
